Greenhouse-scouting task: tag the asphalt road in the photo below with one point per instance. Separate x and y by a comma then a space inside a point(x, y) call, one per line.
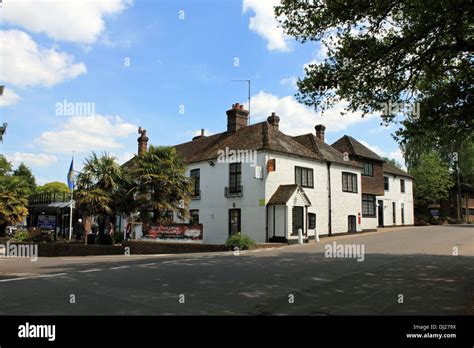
point(415, 266)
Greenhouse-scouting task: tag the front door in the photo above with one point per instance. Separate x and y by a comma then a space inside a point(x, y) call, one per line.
point(234, 221)
point(380, 213)
point(297, 220)
point(351, 223)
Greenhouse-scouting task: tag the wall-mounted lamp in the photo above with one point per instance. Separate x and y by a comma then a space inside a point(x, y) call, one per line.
point(211, 163)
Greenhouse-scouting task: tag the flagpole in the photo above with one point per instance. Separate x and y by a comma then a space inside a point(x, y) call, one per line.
point(71, 202)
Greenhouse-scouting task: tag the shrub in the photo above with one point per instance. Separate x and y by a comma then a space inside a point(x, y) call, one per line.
point(21, 236)
point(118, 237)
point(239, 241)
point(421, 223)
point(107, 240)
point(39, 236)
point(435, 221)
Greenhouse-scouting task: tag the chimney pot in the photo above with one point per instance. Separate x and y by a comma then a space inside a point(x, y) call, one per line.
point(237, 117)
point(273, 120)
point(320, 129)
point(142, 141)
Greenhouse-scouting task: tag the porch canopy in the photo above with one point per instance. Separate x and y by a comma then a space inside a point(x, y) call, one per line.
point(287, 213)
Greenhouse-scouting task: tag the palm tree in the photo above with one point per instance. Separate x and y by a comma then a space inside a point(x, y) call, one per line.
point(13, 201)
point(160, 183)
point(97, 185)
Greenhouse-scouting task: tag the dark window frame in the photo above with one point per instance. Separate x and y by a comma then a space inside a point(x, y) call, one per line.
point(192, 217)
point(311, 221)
point(386, 183)
point(239, 223)
point(369, 206)
point(394, 213)
point(196, 177)
point(367, 169)
point(235, 177)
point(402, 186)
point(353, 180)
point(304, 177)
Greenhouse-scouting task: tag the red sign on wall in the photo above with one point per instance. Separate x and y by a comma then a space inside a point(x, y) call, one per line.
point(176, 231)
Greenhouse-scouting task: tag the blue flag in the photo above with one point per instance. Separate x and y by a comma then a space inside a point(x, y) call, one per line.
point(70, 175)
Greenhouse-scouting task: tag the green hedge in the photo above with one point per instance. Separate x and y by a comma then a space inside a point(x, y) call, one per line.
point(239, 241)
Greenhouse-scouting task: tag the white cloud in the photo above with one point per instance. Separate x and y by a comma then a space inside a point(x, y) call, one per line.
point(124, 157)
point(289, 81)
point(85, 134)
point(296, 118)
point(265, 24)
point(24, 63)
point(397, 155)
point(67, 20)
point(32, 159)
point(9, 97)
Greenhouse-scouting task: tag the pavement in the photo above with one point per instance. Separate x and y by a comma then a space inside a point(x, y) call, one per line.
point(412, 270)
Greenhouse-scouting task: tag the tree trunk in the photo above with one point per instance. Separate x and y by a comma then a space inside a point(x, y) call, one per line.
point(3, 229)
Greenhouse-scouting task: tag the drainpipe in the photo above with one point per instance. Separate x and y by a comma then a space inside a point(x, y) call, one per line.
point(266, 222)
point(329, 200)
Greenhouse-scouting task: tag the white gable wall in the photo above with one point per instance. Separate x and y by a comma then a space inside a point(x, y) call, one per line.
point(394, 195)
point(214, 206)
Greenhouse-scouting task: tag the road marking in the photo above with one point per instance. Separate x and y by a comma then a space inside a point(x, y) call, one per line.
point(147, 264)
point(51, 275)
point(119, 267)
point(90, 270)
point(14, 279)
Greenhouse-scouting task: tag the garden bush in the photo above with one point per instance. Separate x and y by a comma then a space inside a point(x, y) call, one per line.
point(21, 236)
point(37, 235)
point(239, 241)
point(118, 237)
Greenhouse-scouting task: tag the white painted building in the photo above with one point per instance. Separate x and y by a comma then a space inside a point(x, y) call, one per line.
point(258, 181)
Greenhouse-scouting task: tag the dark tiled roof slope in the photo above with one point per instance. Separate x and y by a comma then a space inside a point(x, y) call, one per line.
point(323, 150)
point(353, 147)
point(259, 136)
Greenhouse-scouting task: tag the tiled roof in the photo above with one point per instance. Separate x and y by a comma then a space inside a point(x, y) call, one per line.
point(353, 147)
point(324, 150)
point(283, 194)
point(259, 136)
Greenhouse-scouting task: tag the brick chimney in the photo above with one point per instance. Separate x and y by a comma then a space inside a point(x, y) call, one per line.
point(200, 136)
point(142, 141)
point(320, 131)
point(237, 117)
point(273, 121)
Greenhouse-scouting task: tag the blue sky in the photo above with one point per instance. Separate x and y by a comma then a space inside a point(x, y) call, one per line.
point(182, 55)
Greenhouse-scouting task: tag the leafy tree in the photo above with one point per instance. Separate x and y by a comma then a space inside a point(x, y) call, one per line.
point(160, 182)
point(466, 162)
point(96, 186)
point(433, 179)
point(24, 173)
point(5, 166)
point(13, 201)
point(54, 186)
point(400, 51)
point(393, 162)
